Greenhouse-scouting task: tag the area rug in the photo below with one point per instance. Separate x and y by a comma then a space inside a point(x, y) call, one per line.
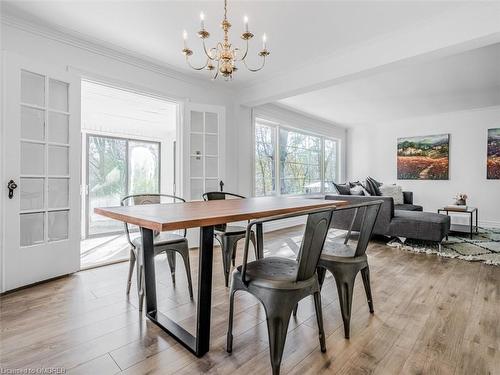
point(483, 247)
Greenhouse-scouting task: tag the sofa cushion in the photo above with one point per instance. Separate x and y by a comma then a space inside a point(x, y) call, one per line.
point(408, 207)
point(427, 226)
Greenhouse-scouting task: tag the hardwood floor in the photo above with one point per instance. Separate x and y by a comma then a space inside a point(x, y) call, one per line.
point(433, 315)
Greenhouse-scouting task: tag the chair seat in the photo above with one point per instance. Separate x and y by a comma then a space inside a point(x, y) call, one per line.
point(232, 230)
point(164, 238)
point(340, 252)
point(271, 272)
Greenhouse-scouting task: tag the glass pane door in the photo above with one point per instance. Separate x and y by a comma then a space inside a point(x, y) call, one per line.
point(118, 167)
point(204, 153)
point(44, 179)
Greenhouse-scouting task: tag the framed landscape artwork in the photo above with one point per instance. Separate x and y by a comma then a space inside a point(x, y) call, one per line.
point(493, 163)
point(423, 158)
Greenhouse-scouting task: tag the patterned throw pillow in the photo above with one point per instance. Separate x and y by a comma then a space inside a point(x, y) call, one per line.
point(343, 189)
point(357, 190)
point(393, 191)
point(372, 186)
point(361, 184)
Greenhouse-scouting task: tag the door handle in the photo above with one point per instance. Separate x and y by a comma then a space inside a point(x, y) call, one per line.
point(221, 184)
point(11, 186)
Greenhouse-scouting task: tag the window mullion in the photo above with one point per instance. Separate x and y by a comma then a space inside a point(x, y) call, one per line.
point(277, 161)
point(322, 166)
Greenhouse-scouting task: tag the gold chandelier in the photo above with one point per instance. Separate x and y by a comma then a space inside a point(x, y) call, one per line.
point(222, 59)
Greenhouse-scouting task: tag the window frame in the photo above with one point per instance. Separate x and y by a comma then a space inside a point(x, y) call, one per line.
point(276, 127)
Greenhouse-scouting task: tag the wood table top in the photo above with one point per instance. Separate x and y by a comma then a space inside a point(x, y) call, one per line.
point(173, 216)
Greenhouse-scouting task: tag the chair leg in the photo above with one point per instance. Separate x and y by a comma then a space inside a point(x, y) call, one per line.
point(229, 341)
point(319, 318)
point(345, 286)
point(227, 254)
point(130, 269)
point(140, 286)
point(233, 252)
point(171, 262)
point(187, 265)
point(365, 273)
point(321, 271)
point(277, 325)
point(254, 243)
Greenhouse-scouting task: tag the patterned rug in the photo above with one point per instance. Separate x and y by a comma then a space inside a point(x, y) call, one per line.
point(483, 247)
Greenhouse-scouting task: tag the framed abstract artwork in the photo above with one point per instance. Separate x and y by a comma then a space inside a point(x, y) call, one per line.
point(493, 157)
point(423, 158)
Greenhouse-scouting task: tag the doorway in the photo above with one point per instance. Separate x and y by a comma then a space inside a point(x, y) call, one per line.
point(128, 147)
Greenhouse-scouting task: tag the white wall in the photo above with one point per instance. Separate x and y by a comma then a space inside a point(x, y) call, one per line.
point(372, 152)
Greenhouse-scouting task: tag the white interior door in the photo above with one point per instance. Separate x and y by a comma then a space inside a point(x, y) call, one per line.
point(204, 150)
point(42, 155)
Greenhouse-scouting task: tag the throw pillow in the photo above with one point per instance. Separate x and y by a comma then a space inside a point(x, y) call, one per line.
point(393, 191)
point(373, 185)
point(343, 189)
point(357, 190)
point(363, 186)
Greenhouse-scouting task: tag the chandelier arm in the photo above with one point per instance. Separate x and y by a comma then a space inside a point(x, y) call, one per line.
point(216, 70)
point(245, 54)
point(255, 69)
point(197, 68)
point(206, 51)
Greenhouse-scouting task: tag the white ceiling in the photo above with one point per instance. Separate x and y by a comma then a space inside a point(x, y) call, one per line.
point(460, 82)
point(299, 32)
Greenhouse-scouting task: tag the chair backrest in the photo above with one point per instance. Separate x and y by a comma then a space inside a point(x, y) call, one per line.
point(220, 195)
point(140, 199)
point(313, 240)
point(369, 212)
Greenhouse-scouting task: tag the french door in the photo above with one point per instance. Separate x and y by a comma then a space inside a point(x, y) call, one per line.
point(117, 167)
point(41, 154)
point(204, 142)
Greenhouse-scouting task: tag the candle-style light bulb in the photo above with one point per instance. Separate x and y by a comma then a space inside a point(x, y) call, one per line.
point(185, 37)
point(245, 20)
point(202, 19)
point(264, 41)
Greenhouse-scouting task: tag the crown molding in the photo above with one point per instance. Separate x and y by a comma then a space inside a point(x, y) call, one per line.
point(102, 48)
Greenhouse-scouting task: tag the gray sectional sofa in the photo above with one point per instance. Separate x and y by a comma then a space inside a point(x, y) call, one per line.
point(404, 221)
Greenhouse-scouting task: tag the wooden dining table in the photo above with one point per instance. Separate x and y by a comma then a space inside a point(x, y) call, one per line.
point(205, 215)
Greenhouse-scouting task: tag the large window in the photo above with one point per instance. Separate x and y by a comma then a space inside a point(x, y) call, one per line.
point(292, 162)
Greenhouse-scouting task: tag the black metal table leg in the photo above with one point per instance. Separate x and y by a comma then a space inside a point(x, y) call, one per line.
point(198, 345)
point(204, 290)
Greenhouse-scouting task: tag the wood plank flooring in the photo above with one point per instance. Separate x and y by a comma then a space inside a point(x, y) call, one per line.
point(433, 315)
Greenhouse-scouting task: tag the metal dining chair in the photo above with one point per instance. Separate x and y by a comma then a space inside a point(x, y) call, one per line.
point(345, 261)
point(164, 242)
point(280, 283)
point(228, 235)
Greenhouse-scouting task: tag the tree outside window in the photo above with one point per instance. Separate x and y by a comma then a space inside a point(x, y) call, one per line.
point(307, 163)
